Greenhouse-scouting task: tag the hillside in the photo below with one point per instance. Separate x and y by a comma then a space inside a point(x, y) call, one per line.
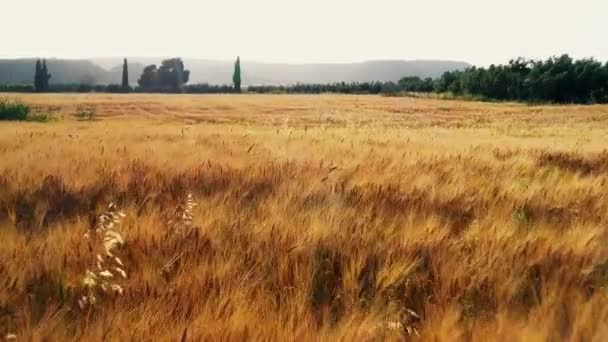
point(108, 70)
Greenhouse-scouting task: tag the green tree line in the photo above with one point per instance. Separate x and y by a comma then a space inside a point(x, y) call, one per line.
point(557, 79)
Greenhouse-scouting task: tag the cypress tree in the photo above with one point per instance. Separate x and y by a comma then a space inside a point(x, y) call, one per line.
point(236, 77)
point(38, 76)
point(179, 74)
point(44, 76)
point(125, 75)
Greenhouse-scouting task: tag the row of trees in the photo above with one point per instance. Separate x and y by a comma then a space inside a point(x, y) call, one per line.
point(558, 79)
point(339, 87)
point(202, 88)
point(42, 77)
point(171, 76)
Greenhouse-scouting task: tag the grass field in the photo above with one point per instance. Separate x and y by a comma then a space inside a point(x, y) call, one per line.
point(317, 218)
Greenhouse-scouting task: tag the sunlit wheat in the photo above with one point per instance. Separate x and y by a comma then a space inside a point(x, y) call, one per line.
point(387, 219)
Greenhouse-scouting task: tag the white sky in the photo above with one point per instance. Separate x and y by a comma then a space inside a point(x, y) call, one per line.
point(477, 31)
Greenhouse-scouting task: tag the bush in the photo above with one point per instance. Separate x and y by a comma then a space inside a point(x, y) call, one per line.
point(84, 114)
point(39, 117)
point(13, 110)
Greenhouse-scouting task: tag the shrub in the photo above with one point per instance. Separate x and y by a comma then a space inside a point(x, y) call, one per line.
point(85, 114)
point(13, 110)
point(38, 117)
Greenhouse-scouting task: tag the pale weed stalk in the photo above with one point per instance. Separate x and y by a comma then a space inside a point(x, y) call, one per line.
point(108, 269)
point(180, 225)
point(183, 217)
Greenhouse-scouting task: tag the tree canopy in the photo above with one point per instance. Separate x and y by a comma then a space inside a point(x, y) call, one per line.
point(170, 76)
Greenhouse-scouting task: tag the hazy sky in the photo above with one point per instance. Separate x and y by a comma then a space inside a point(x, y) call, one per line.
point(478, 31)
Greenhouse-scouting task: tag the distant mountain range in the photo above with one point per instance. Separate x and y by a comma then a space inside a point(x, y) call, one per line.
point(109, 71)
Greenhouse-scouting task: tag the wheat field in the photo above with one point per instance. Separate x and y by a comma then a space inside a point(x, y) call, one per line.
point(270, 217)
